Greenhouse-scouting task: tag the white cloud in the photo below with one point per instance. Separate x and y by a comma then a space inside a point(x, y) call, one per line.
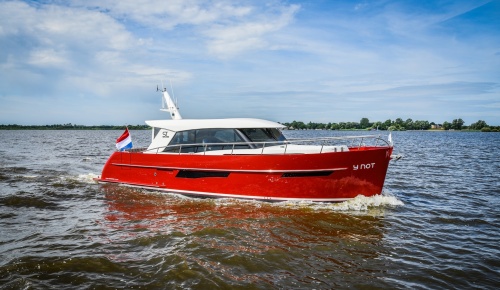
point(53, 25)
point(169, 14)
point(228, 40)
point(226, 27)
point(48, 58)
point(56, 36)
point(88, 50)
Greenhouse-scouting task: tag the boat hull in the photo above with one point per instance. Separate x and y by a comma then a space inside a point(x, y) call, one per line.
point(335, 176)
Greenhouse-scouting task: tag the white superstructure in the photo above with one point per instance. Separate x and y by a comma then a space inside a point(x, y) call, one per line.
point(222, 136)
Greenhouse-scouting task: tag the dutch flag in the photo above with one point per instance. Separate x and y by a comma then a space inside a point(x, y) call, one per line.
point(124, 141)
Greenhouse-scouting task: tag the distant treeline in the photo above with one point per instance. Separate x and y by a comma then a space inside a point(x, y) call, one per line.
point(394, 125)
point(70, 126)
point(363, 124)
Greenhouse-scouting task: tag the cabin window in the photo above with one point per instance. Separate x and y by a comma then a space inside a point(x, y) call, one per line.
point(183, 142)
point(192, 141)
point(200, 140)
point(217, 136)
point(263, 135)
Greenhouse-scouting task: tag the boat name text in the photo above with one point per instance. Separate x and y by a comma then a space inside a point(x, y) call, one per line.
point(364, 166)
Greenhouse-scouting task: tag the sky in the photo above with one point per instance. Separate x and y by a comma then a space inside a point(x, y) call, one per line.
point(99, 62)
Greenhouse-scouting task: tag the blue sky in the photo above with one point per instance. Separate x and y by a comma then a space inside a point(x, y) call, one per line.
point(98, 62)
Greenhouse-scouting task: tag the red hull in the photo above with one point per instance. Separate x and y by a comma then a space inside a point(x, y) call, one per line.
point(335, 176)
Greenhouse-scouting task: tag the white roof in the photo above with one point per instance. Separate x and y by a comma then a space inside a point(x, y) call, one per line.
point(191, 124)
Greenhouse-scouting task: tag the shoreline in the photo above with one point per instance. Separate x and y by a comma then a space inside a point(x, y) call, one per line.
point(145, 127)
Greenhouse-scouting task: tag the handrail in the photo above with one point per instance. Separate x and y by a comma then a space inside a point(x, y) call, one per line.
point(322, 141)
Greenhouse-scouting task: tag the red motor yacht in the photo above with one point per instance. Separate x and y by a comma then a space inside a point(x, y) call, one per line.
point(250, 159)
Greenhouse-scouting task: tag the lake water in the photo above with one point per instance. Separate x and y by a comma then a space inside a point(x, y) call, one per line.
point(437, 225)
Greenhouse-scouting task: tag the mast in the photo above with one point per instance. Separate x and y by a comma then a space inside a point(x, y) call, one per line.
point(171, 106)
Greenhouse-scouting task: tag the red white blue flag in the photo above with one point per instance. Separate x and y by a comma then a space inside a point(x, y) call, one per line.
point(124, 141)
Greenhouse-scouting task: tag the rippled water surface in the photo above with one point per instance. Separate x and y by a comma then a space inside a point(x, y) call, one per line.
point(435, 227)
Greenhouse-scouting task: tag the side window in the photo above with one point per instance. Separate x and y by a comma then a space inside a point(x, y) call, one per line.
point(206, 140)
point(228, 136)
point(184, 137)
point(217, 136)
point(258, 135)
point(268, 136)
point(277, 134)
point(180, 142)
point(206, 136)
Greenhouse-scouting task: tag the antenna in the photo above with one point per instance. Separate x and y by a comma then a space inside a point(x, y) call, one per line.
point(172, 88)
point(176, 104)
point(169, 105)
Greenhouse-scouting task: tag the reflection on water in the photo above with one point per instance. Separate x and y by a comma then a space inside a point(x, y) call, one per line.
point(244, 242)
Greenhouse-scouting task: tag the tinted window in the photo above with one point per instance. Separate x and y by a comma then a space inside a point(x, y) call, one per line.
point(204, 136)
point(263, 135)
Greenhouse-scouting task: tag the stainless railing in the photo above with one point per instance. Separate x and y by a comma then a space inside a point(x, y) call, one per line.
point(351, 142)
